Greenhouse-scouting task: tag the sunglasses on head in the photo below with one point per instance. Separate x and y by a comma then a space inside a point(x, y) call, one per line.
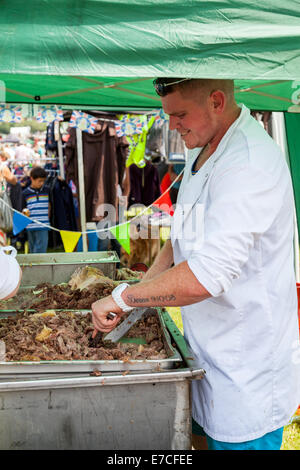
point(161, 88)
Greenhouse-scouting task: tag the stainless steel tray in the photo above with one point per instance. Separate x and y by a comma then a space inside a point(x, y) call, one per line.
point(77, 366)
point(26, 294)
point(59, 267)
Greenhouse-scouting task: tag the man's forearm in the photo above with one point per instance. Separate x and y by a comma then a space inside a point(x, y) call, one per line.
point(175, 287)
point(163, 261)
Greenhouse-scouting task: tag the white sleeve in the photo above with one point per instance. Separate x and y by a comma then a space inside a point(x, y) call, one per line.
point(244, 204)
point(9, 275)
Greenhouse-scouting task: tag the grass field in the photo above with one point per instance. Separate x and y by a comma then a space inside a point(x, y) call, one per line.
point(291, 434)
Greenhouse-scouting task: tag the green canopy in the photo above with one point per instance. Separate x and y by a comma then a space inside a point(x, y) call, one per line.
point(120, 92)
point(103, 53)
point(292, 124)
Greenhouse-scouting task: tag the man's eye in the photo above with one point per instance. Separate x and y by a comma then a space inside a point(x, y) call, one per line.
point(181, 116)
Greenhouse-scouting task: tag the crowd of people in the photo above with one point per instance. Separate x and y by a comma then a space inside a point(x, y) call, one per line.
point(23, 167)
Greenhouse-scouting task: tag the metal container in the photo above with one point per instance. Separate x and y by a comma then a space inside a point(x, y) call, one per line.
point(149, 411)
point(137, 411)
point(59, 267)
point(77, 366)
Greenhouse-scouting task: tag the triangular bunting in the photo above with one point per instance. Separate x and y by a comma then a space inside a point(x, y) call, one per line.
point(69, 239)
point(20, 221)
point(164, 203)
point(122, 234)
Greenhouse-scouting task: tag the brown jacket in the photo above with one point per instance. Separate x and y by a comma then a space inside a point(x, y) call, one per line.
point(104, 157)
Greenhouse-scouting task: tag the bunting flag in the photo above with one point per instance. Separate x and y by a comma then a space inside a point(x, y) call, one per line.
point(83, 121)
point(122, 234)
point(137, 146)
point(10, 113)
point(49, 114)
point(164, 204)
point(160, 116)
point(20, 221)
point(69, 239)
point(130, 125)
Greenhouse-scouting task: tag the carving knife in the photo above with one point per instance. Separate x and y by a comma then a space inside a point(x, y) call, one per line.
point(120, 330)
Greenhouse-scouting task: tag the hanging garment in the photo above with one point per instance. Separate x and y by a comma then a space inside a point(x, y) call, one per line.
point(6, 214)
point(50, 143)
point(138, 146)
point(144, 184)
point(63, 214)
point(63, 211)
point(16, 195)
point(104, 156)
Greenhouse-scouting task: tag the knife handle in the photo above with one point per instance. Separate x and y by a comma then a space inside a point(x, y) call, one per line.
point(111, 315)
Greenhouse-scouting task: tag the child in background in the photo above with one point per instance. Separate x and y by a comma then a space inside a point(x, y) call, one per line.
point(37, 206)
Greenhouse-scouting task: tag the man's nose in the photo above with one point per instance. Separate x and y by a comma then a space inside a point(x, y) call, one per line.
point(173, 123)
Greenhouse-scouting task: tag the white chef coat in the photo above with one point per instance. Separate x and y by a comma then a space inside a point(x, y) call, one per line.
point(246, 335)
point(9, 274)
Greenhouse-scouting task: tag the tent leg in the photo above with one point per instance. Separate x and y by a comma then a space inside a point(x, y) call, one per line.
point(60, 158)
point(81, 189)
point(279, 135)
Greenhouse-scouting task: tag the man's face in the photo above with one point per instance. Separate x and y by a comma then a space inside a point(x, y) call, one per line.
point(194, 120)
point(37, 183)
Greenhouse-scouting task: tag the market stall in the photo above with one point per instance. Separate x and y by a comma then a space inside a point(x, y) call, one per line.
point(104, 56)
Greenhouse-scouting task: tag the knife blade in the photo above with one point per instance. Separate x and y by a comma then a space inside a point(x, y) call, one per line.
point(120, 330)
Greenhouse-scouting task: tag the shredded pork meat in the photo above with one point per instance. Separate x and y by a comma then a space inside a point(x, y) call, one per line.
point(67, 336)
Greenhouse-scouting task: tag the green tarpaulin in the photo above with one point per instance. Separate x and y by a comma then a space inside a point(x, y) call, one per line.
point(119, 92)
point(292, 124)
point(106, 53)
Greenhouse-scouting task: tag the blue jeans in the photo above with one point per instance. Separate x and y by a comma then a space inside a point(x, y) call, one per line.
point(103, 245)
point(38, 241)
point(270, 441)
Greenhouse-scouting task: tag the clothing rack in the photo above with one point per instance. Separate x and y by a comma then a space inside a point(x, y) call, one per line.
point(29, 160)
point(52, 172)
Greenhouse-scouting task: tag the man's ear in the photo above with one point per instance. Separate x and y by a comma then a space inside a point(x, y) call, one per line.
point(218, 100)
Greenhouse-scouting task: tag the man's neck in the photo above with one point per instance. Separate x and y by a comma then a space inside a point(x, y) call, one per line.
point(212, 146)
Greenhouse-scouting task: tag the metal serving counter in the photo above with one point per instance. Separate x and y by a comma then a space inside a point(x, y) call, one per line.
point(114, 411)
point(59, 267)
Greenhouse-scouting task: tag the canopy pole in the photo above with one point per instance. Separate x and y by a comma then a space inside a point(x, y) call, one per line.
point(279, 135)
point(81, 189)
point(60, 158)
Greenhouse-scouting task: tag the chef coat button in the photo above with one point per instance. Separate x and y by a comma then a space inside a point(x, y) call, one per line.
point(206, 175)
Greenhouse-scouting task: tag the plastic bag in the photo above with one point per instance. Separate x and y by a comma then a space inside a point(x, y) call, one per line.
point(89, 276)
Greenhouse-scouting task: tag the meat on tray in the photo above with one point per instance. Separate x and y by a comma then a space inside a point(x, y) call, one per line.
point(62, 335)
point(61, 296)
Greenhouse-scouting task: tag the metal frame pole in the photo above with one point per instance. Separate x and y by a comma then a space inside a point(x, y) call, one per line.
point(279, 135)
point(60, 158)
point(81, 189)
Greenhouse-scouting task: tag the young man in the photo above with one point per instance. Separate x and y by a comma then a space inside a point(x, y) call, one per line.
point(37, 207)
point(232, 246)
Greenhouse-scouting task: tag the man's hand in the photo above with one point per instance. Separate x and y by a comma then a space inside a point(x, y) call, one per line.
point(100, 309)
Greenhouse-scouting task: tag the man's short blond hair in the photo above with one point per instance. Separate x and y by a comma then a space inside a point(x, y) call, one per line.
point(198, 86)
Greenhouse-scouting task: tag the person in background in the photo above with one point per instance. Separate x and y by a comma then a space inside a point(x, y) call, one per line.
point(5, 172)
point(10, 150)
point(174, 170)
point(36, 205)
